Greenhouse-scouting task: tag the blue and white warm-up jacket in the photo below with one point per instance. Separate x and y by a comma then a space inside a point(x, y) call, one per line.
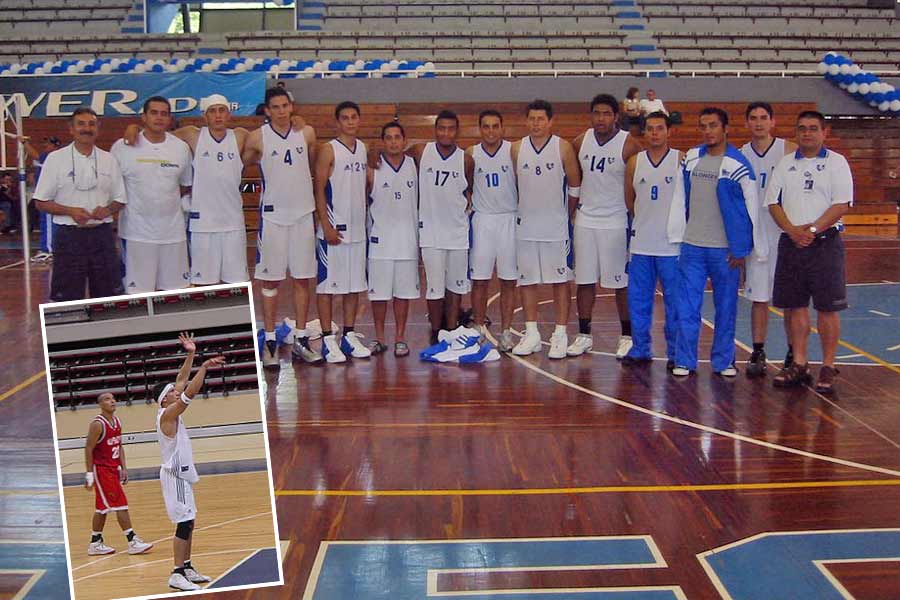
point(736, 191)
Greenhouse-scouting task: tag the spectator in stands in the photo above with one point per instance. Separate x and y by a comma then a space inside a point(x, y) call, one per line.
point(281, 85)
point(82, 187)
point(652, 104)
point(811, 189)
point(631, 111)
point(9, 203)
point(717, 225)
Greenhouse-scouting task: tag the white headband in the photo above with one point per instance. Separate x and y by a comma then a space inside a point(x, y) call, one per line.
point(169, 387)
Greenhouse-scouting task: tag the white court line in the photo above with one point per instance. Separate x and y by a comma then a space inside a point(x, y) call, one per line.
point(897, 347)
point(168, 559)
point(879, 313)
point(160, 540)
point(11, 265)
point(692, 424)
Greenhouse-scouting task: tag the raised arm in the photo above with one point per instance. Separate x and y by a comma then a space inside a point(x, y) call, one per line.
point(173, 410)
point(187, 342)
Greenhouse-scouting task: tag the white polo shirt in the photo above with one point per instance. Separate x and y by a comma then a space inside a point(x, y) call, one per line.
point(807, 187)
point(58, 182)
point(153, 174)
point(652, 106)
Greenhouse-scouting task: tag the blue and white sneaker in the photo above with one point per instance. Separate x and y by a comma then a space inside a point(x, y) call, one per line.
point(350, 345)
point(331, 350)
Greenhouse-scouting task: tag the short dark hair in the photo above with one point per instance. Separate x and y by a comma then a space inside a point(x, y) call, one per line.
point(447, 115)
point(83, 110)
point(155, 99)
point(275, 92)
point(540, 105)
point(631, 92)
point(763, 105)
point(344, 106)
point(395, 125)
point(812, 114)
point(489, 113)
point(156, 390)
point(658, 114)
point(715, 110)
point(606, 100)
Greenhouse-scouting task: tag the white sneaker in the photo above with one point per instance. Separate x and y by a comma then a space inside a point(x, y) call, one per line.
point(194, 577)
point(507, 341)
point(681, 372)
point(583, 343)
point(624, 346)
point(558, 343)
point(98, 548)
point(331, 350)
point(728, 372)
point(270, 354)
point(180, 582)
point(138, 546)
point(529, 344)
point(351, 345)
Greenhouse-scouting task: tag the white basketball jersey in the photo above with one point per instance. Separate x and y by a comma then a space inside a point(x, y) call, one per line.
point(494, 190)
point(602, 204)
point(543, 214)
point(345, 192)
point(177, 453)
point(654, 187)
point(287, 184)
point(443, 222)
point(394, 212)
point(216, 203)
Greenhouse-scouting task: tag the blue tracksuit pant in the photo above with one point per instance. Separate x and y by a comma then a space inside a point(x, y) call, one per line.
point(695, 266)
point(643, 272)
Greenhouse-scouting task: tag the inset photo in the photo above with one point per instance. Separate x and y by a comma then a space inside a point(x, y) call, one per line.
point(161, 443)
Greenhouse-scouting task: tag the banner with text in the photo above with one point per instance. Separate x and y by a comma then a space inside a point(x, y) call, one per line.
point(122, 95)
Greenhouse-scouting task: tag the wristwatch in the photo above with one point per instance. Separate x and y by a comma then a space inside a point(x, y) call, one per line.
point(813, 230)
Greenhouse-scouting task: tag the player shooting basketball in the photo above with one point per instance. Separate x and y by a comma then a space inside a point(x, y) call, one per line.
point(177, 473)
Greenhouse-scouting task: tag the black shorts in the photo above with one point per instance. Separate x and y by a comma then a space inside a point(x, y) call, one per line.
point(85, 255)
point(816, 272)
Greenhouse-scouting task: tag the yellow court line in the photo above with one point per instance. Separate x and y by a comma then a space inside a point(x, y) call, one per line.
point(849, 346)
point(21, 386)
point(612, 489)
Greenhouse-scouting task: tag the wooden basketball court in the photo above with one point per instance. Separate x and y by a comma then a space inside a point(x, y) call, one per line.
point(534, 479)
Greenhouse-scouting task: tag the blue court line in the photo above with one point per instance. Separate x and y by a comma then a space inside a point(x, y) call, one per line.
point(48, 559)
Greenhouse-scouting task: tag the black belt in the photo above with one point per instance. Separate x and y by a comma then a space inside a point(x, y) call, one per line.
point(828, 233)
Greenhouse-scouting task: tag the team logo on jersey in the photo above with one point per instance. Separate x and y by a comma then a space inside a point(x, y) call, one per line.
point(459, 282)
point(298, 149)
point(561, 270)
point(186, 275)
point(504, 168)
point(550, 166)
point(610, 160)
point(410, 183)
point(820, 168)
point(618, 278)
point(669, 179)
point(231, 156)
point(455, 174)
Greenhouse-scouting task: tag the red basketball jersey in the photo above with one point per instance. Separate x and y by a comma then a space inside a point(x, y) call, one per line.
point(107, 450)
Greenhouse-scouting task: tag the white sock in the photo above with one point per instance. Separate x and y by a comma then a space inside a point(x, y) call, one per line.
point(560, 329)
point(270, 336)
point(531, 327)
point(301, 333)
